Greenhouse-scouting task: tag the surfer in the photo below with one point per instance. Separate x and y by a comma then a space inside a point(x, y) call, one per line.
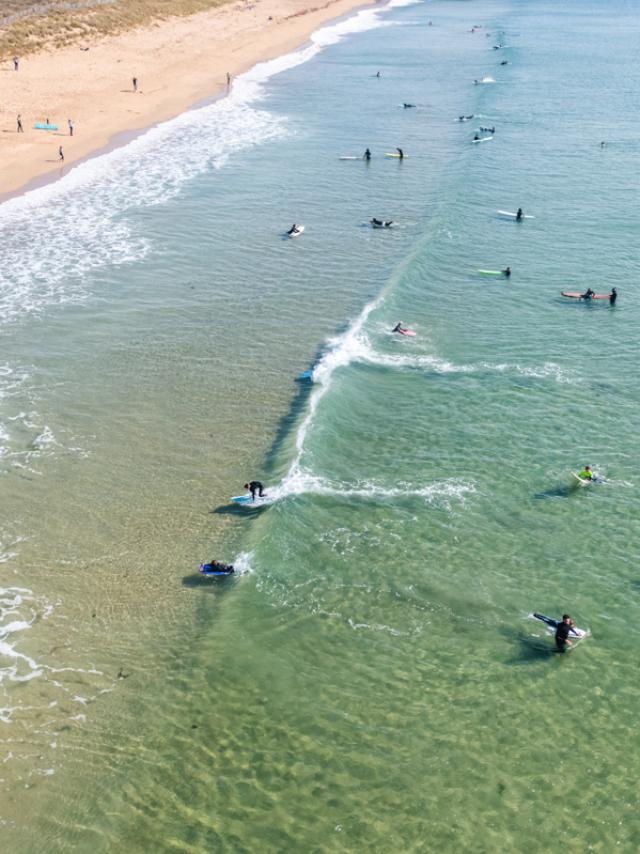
point(381, 223)
point(505, 62)
point(476, 138)
point(562, 633)
point(366, 155)
point(519, 215)
point(506, 272)
point(406, 106)
point(294, 229)
point(588, 294)
point(400, 153)
point(255, 486)
point(613, 296)
point(216, 566)
point(378, 74)
point(399, 328)
point(586, 474)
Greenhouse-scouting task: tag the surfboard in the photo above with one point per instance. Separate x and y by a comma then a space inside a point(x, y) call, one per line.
point(298, 232)
point(245, 500)
point(552, 625)
point(491, 272)
point(581, 480)
point(306, 375)
point(408, 332)
point(45, 126)
point(209, 569)
point(349, 157)
point(513, 215)
point(483, 139)
point(578, 295)
point(389, 154)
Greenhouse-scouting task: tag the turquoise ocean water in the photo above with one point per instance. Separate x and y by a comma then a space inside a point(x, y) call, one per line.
point(371, 679)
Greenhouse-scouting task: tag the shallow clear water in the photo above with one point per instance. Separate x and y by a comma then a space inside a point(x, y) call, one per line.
point(371, 679)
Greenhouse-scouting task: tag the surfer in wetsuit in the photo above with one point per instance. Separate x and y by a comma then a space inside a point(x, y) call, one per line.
point(398, 328)
point(253, 487)
point(406, 106)
point(400, 153)
point(613, 296)
point(366, 155)
point(588, 294)
point(519, 215)
point(293, 230)
point(586, 474)
point(506, 272)
point(562, 633)
point(476, 138)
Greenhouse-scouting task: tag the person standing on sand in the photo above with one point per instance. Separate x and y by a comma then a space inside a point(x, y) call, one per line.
point(70, 123)
point(135, 84)
point(228, 79)
point(16, 63)
point(61, 154)
point(19, 123)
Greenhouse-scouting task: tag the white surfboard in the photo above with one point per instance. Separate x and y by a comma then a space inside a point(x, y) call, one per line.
point(299, 230)
point(513, 215)
point(483, 139)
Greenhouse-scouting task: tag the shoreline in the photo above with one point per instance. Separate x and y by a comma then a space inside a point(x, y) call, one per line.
point(204, 48)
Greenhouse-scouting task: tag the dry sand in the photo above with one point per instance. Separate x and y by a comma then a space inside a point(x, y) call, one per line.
point(177, 63)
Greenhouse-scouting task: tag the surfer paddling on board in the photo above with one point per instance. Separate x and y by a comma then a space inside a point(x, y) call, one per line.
point(562, 633)
point(255, 486)
point(519, 215)
point(294, 229)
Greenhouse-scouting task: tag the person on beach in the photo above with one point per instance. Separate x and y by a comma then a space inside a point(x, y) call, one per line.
point(20, 129)
point(586, 474)
point(613, 296)
point(588, 294)
point(135, 84)
point(366, 155)
point(70, 124)
point(400, 153)
point(16, 63)
point(506, 272)
point(228, 79)
point(519, 215)
point(562, 633)
point(255, 486)
point(61, 154)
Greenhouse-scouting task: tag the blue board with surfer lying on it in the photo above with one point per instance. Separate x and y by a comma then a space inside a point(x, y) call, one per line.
point(217, 569)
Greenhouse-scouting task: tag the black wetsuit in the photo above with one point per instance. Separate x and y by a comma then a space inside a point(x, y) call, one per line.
point(562, 633)
point(613, 296)
point(256, 486)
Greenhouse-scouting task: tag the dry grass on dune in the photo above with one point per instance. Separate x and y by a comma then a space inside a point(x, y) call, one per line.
point(27, 26)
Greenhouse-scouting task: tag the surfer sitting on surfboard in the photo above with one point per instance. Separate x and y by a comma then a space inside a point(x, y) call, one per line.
point(562, 633)
point(255, 486)
point(586, 474)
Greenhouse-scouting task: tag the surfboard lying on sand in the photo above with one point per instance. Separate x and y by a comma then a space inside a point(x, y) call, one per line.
point(513, 215)
point(578, 295)
point(552, 625)
point(45, 126)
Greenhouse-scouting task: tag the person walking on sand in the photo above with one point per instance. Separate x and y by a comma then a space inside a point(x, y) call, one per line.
point(16, 63)
point(19, 124)
point(61, 154)
point(135, 84)
point(70, 123)
point(228, 79)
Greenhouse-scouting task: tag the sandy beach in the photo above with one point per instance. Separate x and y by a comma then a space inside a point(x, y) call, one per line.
point(176, 63)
